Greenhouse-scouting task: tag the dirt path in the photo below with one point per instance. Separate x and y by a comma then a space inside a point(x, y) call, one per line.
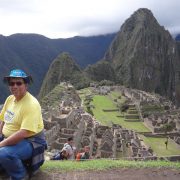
point(113, 174)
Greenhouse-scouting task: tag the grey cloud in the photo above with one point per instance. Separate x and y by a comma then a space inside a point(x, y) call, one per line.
point(100, 21)
point(17, 6)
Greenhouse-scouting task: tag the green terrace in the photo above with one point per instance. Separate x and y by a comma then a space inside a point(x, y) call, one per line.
point(105, 110)
point(149, 109)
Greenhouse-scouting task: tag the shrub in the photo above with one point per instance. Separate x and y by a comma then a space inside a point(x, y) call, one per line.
point(124, 107)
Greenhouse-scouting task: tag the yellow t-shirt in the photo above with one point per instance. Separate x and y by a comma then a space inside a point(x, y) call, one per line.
point(23, 114)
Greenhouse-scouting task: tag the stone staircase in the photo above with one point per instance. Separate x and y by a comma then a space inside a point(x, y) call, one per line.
point(132, 114)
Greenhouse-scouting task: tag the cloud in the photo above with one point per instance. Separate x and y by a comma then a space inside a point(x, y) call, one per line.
point(65, 18)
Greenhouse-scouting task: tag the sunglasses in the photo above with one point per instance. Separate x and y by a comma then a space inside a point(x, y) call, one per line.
point(18, 83)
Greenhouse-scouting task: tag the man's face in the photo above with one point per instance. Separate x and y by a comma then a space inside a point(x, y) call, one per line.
point(71, 142)
point(86, 149)
point(17, 87)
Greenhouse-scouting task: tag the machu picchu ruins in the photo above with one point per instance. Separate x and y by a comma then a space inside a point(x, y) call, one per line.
point(69, 119)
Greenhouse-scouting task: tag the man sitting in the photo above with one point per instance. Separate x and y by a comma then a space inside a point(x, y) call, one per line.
point(70, 148)
point(62, 155)
point(83, 155)
point(21, 129)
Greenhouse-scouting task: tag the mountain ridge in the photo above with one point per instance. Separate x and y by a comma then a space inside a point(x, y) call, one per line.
point(34, 53)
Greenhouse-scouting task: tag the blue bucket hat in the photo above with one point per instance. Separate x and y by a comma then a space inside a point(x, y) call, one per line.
point(18, 73)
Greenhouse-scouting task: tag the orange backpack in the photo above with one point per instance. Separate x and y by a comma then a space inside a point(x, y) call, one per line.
point(78, 156)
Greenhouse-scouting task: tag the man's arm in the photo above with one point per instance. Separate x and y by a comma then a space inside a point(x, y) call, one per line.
point(1, 126)
point(15, 138)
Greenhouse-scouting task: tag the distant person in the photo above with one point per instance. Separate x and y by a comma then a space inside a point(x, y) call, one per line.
point(83, 155)
point(70, 148)
point(166, 143)
point(21, 128)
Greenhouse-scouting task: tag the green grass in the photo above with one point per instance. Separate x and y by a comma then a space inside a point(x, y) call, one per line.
point(104, 102)
point(137, 126)
point(116, 94)
point(158, 146)
point(105, 164)
point(100, 103)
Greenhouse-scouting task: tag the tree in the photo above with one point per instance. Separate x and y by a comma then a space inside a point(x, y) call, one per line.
point(167, 128)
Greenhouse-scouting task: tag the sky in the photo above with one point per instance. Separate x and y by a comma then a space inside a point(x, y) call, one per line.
point(69, 18)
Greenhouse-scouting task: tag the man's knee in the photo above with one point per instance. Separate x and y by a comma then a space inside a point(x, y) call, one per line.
point(4, 155)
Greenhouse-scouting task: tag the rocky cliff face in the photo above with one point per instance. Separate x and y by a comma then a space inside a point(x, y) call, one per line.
point(63, 68)
point(144, 55)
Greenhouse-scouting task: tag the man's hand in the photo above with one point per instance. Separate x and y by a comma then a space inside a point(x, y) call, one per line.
point(1, 137)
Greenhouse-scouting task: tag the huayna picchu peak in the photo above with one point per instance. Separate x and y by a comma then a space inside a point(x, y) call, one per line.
point(144, 56)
